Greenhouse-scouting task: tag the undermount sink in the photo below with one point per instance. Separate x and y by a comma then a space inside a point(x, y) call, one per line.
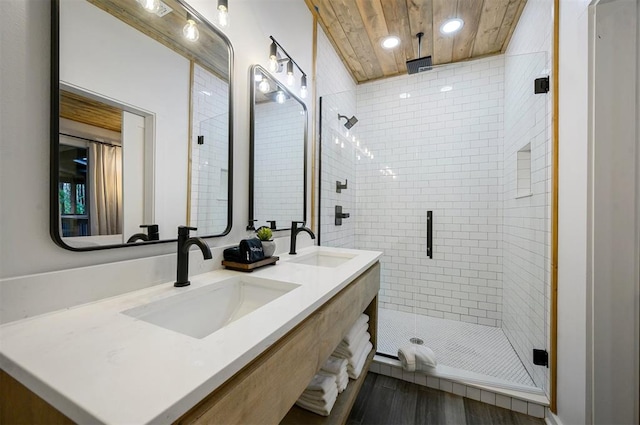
point(200, 312)
point(323, 259)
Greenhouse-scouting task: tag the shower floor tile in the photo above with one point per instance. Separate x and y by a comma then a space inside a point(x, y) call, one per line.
point(476, 348)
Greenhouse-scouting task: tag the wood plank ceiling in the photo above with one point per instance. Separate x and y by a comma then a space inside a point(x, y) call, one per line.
point(357, 27)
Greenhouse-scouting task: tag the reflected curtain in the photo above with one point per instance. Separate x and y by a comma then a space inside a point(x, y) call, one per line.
point(105, 189)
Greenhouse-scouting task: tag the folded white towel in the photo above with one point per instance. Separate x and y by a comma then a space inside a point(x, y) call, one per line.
point(356, 330)
point(334, 365)
point(319, 397)
point(349, 351)
point(322, 383)
point(317, 408)
point(342, 379)
point(355, 371)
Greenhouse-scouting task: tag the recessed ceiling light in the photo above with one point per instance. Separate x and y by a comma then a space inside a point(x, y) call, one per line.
point(390, 42)
point(452, 25)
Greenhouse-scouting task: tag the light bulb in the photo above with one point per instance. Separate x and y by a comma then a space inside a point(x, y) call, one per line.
point(264, 86)
point(190, 30)
point(273, 64)
point(280, 97)
point(290, 79)
point(303, 86)
point(223, 14)
point(150, 5)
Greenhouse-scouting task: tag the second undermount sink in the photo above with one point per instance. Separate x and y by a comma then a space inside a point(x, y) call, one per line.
point(200, 312)
point(323, 259)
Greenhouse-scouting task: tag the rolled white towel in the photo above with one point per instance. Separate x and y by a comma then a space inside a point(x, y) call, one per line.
point(356, 370)
point(322, 383)
point(417, 358)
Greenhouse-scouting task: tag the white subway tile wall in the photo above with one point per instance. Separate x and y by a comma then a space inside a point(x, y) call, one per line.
point(437, 140)
point(279, 173)
point(337, 89)
point(209, 161)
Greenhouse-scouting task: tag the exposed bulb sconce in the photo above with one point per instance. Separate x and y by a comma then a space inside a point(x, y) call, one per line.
point(150, 5)
point(303, 86)
point(190, 30)
point(275, 65)
point(223, 13)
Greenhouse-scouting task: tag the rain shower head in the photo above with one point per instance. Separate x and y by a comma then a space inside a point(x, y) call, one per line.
point(421, 64)
point(350, 121)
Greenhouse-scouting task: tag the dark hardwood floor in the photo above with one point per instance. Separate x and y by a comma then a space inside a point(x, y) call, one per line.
point(385, 400)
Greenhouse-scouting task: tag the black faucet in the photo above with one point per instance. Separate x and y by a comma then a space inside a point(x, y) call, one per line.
point(184, 243)
point(154, 234)
point(294, 234)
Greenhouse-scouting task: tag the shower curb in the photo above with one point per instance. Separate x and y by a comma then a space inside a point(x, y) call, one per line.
point(532, 405)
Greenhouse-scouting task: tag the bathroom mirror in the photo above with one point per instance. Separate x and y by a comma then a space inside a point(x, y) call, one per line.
point(141, 123)
point(278, 168)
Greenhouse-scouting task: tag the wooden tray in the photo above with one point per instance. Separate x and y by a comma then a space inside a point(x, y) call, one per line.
point(244, 267)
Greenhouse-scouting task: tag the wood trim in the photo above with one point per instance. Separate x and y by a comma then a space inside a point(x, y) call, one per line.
point(19, 405)
point(265, 390)
point(553, 406)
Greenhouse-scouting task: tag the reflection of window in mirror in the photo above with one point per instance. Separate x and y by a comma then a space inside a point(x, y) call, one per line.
point(99, 144)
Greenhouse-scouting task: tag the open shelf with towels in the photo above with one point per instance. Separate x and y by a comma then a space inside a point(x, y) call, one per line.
point(341, 409)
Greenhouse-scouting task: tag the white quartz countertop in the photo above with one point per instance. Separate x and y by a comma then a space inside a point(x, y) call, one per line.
point(97, 365)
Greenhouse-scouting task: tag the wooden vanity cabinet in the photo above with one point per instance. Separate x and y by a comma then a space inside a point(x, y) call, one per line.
point(265, 391)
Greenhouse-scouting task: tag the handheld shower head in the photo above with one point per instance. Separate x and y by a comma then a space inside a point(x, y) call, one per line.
point(350, 121)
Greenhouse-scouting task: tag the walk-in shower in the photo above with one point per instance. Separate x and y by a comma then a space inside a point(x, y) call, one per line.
point(468, 142)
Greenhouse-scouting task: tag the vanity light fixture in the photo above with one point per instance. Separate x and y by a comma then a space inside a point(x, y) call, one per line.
point(275, 65)
point(190, 30)
point(303, 86)
point(451, 25)
point(390, 42)
point(223, 13)
point(150, 5)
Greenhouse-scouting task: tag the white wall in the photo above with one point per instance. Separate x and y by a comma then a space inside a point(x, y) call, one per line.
point(25, 245)
point(572, 212)
point(614, 226)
